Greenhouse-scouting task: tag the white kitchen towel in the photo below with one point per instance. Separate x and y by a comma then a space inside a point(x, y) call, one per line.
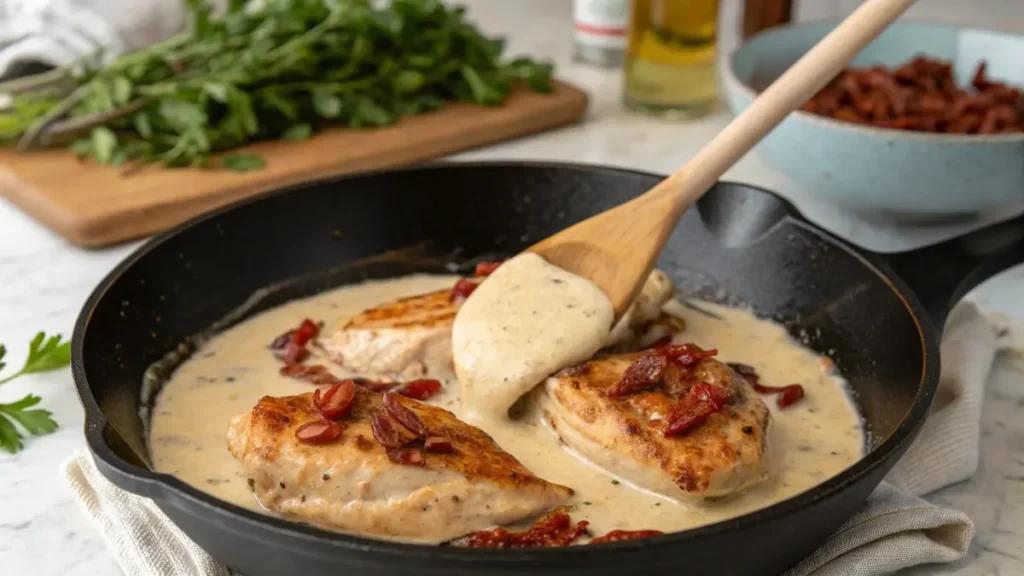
point(143, 540)
point(895, 529)
point(59, 32)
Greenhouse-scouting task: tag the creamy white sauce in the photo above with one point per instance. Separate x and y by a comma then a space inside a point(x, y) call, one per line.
point(529, 320)
point(811, 441)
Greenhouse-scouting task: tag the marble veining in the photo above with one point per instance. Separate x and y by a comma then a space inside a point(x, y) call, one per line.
point(44, 281)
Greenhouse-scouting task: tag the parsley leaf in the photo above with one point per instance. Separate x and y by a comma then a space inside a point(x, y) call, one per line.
point(10, 439)
point(44, 354)
point(37, 422)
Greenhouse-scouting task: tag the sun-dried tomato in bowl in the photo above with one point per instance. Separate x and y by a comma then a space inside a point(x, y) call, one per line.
point(921, 95)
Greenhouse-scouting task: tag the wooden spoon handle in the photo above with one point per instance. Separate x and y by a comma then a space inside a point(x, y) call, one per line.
point(803, 79)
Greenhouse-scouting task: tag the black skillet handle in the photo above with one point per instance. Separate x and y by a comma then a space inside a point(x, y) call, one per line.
point(940, 275)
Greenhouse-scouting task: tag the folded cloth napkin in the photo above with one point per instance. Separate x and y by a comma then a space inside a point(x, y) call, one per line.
point(56, 33)
point(895, 529)
point(143, 540)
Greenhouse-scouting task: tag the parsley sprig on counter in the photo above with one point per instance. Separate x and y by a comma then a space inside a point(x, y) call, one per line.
point(282, 70)
point(44, 354)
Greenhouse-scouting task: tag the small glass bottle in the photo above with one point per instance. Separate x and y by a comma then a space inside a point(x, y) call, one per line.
point(599, 32)
point(670, 59)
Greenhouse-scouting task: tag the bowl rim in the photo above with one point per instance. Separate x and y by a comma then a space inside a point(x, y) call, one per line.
point(729, 75)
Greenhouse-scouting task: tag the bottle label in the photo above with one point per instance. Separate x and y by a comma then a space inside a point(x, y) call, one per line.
point(600, 23)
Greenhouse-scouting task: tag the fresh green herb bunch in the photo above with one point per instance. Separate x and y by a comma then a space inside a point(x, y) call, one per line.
point(283, 70)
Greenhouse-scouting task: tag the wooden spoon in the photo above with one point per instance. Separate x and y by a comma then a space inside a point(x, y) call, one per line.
point(617, 249)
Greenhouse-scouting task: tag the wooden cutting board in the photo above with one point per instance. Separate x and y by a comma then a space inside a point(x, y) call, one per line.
point(95, 206)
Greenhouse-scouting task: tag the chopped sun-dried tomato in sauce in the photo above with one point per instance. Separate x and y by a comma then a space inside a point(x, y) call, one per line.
point(486, 268)
point(463, 288)
point(291, 353)
point(686, 354)
point(788, 395)
point(305, 332)
point(648, 370)
point(645, 372)
point(406, 456)
point(553, 529)
point(318, 432)
point(693, 409)
point(338, 400)
point(388, 432)
point(290, 347)
point(403, 415)
point(420, 389)
point(623, 535)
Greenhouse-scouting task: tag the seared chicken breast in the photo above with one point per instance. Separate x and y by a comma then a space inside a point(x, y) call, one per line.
point(412, 337)
point(722, 453)
point(644, 319)
point(350, 483)
point(406, 339)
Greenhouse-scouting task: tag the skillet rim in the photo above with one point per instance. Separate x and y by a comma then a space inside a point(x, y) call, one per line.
point(165, 488)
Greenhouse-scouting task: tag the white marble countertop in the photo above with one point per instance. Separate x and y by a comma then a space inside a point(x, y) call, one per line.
point(44, 281)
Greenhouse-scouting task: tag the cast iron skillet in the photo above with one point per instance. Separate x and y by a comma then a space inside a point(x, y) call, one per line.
point(878, 317)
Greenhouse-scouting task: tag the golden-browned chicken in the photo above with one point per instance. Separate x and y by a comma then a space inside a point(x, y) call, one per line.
point(452, 480)
point(406, 339)
point(412, 337)
point(671, 420)
point(644, 319)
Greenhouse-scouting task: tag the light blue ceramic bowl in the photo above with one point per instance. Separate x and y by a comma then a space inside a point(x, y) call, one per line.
point(907, 175)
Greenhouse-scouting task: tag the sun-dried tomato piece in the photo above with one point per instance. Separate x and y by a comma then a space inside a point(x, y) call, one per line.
point(420, 389)
point(291, 353)
point(439, 445)
point(316, 374)
point(623, 535)
point(553, 529)
point(692, 410)
point(750, 375)
point(920, 95)
point(486, 268)
point(338, 400)
point(299, 371)
point(787, 394)
point(318, 432)
point(463, 288)
point(281, 340)
point(388, 432)
point(403, 415)
point(979, 80)
point(645, 372)
point(406, 456)
point(790, 394)
point(686, 354)
point(305, 332)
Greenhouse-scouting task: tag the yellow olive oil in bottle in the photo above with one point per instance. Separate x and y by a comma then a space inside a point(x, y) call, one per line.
point(670, 60)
